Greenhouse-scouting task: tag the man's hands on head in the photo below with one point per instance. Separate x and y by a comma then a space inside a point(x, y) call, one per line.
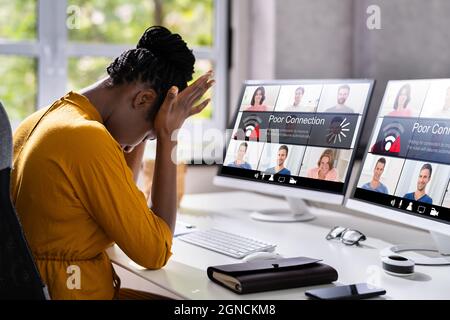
point(177, 107)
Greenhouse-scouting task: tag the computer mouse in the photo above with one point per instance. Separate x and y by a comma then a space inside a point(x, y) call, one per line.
point(258, 256)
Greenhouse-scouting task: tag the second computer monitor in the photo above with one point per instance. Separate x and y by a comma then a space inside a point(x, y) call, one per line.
point(296, 138)
point(405, 175)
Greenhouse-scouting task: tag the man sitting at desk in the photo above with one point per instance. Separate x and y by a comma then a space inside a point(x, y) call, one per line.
point(74, 164)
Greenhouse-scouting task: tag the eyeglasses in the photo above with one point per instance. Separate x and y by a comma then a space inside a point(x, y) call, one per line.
point(347, 236)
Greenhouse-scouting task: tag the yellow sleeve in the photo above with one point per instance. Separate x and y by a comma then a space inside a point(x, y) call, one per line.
point(24, 129)
point(105, 186)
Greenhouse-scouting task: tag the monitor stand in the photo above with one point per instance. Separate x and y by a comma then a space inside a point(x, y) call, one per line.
point(298, 212)
point(442, 247)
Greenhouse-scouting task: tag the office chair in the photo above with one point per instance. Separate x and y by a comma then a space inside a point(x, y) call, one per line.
point(19, 276)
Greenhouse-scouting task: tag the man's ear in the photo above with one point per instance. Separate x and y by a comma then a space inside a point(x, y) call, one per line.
point(144, 99)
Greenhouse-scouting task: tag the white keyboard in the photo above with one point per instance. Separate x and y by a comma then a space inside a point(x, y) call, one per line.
point(227, 243)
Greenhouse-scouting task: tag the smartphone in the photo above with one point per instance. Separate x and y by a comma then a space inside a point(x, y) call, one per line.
point(347, 292)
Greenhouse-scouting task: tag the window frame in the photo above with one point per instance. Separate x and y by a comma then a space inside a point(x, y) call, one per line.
point(52, 51)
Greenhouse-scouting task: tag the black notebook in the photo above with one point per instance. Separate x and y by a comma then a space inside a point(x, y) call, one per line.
point(274, 274)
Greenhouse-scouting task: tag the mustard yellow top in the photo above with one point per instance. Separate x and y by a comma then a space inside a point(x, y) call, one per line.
point(75, 196)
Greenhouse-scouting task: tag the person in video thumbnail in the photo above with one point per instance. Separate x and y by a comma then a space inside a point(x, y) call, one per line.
point(422, 181)
point(239, 162)
point(343, 93)
point(445, 111)
point(375, 184)
point(296, 105)
point(402, 102)
point(281, 158)
point(325, 169)
point(256, 104)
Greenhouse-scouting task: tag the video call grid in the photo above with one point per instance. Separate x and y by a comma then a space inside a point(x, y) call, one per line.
point(307, 146)
point(422, 114)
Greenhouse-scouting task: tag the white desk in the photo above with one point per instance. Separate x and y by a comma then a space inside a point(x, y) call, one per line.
point(185, 273)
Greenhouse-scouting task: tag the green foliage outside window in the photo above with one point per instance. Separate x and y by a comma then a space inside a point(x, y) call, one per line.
point(96, 21)
point(123, 21)
point(18, 86)
point(18, 83)
point(85, 71)
point(18, 19)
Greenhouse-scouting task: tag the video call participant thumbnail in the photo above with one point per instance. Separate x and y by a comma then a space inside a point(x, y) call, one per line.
point(282, 155)
point(296, 104)
point(342, 96)
point(375, 184)
point(422, 182)
point(240, 154)
point(257, 102)
point(325, 167)
point(298, 98)
point(401, 104)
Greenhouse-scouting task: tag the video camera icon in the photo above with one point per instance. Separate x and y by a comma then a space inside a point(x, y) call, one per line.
point(434, 212)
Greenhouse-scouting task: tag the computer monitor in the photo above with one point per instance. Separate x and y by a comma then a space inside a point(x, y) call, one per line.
point(405, 173)
point(297, 139)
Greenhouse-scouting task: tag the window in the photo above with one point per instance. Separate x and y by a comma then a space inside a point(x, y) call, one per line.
point(92, 69)
point(18, 92)
point(17, 20)
point(48, 47)
point(18, 84)
point(122, 21)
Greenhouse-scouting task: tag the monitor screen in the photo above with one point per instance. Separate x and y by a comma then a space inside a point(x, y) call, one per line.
point(407, 163)
point(297, 133)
